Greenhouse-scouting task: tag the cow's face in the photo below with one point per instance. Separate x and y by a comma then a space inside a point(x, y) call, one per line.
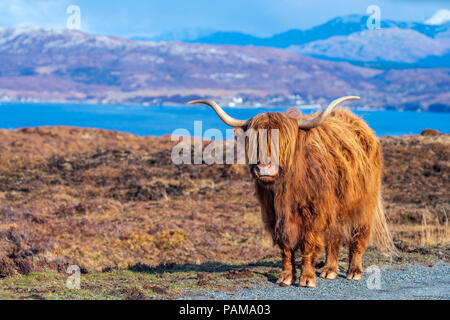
point(270, 151)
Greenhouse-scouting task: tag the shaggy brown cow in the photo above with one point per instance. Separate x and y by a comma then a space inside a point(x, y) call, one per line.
point(326, 191)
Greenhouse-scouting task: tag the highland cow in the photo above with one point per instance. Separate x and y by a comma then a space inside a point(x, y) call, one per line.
point(325, 191)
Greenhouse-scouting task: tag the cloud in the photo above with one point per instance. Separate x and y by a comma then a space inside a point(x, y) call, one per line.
point(440, 17)
point(33, 13)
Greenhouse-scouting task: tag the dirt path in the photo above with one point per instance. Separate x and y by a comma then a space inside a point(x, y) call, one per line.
point(405, 282)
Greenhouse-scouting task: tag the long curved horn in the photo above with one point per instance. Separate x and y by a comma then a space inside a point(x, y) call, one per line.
point(317, 121)
point(222, 114)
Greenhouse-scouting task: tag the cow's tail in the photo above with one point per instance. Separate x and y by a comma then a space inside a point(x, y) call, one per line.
point(380, 231)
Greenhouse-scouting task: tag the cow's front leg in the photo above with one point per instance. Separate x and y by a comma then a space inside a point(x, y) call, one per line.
point(287, 276)
point(309, 256)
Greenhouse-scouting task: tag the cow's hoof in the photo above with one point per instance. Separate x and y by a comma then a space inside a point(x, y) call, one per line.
point(329, 274)
point(285, 280)
point(354, 275)
point(308, 281)
point(283, 284)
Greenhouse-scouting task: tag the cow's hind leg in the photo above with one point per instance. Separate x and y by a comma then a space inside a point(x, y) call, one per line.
point(287, 276)
point(357, 247)
point(330, 270)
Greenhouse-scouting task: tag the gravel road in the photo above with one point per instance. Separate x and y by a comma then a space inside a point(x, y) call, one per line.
point(396, 282)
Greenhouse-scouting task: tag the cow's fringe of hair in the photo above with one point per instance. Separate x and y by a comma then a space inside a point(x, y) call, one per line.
point(287, 135)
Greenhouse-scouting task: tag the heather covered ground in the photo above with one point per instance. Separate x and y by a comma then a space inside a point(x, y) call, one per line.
point(140, 226)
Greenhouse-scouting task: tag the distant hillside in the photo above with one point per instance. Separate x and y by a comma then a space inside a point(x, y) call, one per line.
point(187, 34)
point(71, 66)
point(232, 38)
point(396, 45)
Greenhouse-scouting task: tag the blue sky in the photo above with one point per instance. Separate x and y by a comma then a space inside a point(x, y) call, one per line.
point(149, 17)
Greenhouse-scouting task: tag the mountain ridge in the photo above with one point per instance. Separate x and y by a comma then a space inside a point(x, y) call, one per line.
point(71, 66)
point(338, 26)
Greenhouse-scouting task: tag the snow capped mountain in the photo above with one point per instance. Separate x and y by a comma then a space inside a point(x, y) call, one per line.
point(439, 18)
point(69, 66)
point(393, 44)
point(46, 39)
point(339, 26)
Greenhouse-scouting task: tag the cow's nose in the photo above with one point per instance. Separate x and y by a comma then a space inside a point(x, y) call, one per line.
point(262, 165)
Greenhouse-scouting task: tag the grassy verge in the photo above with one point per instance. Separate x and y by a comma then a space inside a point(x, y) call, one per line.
point(176, 281)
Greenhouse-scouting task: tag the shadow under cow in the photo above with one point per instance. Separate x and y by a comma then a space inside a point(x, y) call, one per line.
point(213, 266)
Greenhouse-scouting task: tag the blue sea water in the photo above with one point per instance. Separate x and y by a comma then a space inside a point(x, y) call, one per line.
point(161, 120)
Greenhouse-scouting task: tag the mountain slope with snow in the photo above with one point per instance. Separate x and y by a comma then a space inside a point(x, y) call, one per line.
point(392, 45)
point(340, 26)
point(439, 18)
point(71, 66)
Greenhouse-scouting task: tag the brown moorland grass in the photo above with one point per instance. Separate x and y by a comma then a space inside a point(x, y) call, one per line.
point(106, 200)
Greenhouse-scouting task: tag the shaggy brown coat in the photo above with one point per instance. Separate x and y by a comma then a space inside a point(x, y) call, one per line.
point(327, 192)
